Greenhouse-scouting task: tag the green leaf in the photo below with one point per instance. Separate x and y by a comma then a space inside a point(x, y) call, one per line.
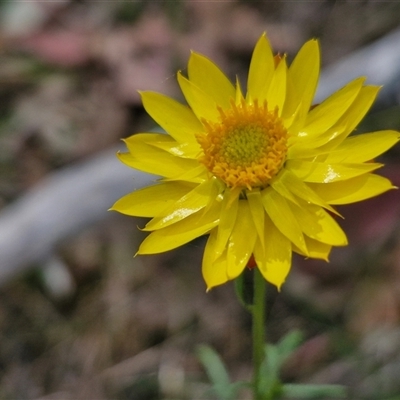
point(275, 356)
point(270, 385)
point(269, 371)
point(213, 365)
point(289, 344)
point(217, 373)
point(310, 391)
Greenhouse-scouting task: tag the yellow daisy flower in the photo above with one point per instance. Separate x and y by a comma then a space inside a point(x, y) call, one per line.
point(258, 172)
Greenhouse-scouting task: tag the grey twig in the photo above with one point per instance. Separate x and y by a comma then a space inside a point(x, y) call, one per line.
point(61, 205)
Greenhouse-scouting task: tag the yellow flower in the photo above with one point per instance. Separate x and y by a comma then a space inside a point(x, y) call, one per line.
point(257, 172)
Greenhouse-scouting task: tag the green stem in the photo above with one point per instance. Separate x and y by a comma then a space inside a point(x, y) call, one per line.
point(258, 329)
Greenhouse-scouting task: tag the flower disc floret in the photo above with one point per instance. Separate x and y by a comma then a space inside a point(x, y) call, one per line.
point(246, 147)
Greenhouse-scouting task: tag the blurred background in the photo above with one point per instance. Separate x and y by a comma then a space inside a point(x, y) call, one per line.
point(80, 318)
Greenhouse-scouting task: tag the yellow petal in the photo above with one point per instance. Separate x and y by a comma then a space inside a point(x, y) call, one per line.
point(281, 215)
point(277, 89)
point(239, 93)
point(274, 258)
point(326, 140)
point(190, 203)
point(229, 209)
point(147, 158)
point(288, 184)
point(207, 76)
point(176, 119)
point(152, 200)
point(148, 138)
point(352, 190)
point(311, 146)
point(354, 114)
point(202, 104)
point(257, 211)
point(316, 223)
point(365, 147)
point(188, 149)
point(231, 262)
point(262, 66)
point(293, 119)
point(316, 249)
point(214, 270)
point(302, 79)
point(318, 172)
point(182, 232)
point(329, 140)
point(241, 242)
point(197, 174)
point(326, 114)
point(357, 111)
point(185, 150)
point(279, 185)
point(148, 166)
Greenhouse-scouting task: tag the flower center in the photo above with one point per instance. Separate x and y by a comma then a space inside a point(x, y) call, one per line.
point(247, 147)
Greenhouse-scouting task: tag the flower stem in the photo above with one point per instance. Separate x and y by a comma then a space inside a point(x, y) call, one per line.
point(258, 329)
